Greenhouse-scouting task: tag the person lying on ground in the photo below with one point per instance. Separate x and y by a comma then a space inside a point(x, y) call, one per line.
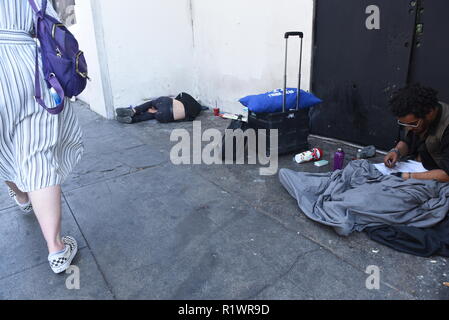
point(425, 133)
point(164, 109)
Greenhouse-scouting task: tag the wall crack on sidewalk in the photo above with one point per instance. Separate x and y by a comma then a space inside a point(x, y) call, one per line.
point(108, 285)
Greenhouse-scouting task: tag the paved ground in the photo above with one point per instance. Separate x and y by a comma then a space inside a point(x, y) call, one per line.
point(151, 230)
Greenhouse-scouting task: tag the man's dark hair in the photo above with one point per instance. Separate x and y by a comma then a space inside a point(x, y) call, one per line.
point(414, 99)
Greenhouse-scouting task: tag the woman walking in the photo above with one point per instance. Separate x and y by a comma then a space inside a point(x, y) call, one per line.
point(37, 150)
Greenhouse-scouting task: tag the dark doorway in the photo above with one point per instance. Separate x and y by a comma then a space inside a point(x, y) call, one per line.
point(359, 62)
point(430, 57)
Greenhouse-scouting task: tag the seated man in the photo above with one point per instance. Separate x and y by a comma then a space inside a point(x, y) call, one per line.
point(163, 109)
point(426, 136)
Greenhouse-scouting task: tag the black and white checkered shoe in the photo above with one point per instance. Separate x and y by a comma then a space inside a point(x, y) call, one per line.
point(61, 262)
point(26, 208)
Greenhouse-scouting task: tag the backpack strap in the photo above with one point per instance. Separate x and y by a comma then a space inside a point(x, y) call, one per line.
point(52, 79)
point(43, 8)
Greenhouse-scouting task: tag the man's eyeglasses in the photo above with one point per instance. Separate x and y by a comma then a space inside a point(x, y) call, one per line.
point(415, 124)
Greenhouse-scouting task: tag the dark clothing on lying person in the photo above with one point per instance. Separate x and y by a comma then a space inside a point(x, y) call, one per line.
point(425, 242)
point(192, 107)
point(420, 146)
point(164, 107)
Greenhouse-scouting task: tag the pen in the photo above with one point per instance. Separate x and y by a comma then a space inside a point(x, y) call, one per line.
point(390, 163)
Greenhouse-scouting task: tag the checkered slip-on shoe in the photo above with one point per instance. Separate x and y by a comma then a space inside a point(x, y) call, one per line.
point(60, 262)
point(26, 208)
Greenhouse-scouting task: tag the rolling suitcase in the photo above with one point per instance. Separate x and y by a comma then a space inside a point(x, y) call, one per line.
point(292, 125)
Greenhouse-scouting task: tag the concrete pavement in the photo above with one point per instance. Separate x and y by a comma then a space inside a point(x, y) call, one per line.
point(148, 229)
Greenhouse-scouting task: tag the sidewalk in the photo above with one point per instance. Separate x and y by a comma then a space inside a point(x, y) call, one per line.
point(148, 229)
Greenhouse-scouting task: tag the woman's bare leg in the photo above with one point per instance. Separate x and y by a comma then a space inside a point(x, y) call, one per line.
point(22, 197)
point(47, 207)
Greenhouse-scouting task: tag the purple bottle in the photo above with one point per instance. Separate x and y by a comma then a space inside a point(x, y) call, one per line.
point(339, 159)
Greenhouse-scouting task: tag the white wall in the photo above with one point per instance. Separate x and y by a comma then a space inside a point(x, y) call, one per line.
point(89, 32)
point(239, 47)
point(149, 48)
point(217, 50)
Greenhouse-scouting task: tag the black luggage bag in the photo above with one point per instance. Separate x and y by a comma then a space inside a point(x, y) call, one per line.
point(292, 125)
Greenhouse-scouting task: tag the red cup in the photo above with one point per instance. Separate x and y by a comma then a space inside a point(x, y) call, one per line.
point(216, 112)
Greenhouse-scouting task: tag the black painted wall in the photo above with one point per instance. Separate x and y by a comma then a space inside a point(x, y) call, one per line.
point(430, 57)
point(356, 69)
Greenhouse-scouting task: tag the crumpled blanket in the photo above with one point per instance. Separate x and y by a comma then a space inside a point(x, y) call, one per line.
point(360, 196)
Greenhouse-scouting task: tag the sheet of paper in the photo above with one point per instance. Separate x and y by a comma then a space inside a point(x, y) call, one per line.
point(409, 166)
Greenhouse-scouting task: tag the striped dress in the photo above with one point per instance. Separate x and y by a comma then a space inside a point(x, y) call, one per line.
point(37, 149)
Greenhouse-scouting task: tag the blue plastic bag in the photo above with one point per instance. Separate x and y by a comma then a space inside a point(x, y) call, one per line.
point(271, 102)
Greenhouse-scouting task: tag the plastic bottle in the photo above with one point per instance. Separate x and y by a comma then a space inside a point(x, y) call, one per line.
point(339, 159)
point(55, 96)
point(313, 155)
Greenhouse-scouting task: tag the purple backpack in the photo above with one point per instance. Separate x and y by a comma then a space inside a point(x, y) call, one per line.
point(65, 68)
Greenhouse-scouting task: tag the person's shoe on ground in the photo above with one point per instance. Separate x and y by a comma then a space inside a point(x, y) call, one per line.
point(126, 119)
point(61, 261)
point(125, 112)
point(26, 208)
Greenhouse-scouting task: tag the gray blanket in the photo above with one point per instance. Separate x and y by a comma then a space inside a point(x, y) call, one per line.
point(360, 196)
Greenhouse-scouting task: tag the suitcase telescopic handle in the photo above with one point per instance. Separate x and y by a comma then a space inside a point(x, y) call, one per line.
point(294, 34)
point(301, 36)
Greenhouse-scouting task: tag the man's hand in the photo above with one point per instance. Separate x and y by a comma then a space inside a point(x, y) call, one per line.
point(391, 159)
